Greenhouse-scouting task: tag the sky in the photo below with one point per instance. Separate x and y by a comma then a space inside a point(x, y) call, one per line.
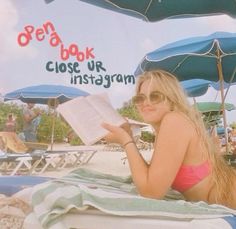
point(117, 42)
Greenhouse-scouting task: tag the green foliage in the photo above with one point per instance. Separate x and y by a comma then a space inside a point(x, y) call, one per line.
point(44, 130)
point(128, 110)
point(233, 125)
point(76, 141)
point(7, 108)
point(147, 137)
point(212, 118)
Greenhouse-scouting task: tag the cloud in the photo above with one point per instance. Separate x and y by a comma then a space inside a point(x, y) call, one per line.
point(9, 49)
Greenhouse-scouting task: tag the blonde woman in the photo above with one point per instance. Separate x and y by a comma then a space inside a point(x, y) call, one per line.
point(184, 156)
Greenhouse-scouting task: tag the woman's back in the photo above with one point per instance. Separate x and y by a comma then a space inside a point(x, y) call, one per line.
point(198, 165)
point(194, 175)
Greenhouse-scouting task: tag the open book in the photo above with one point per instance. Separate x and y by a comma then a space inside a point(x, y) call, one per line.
point(85, 115)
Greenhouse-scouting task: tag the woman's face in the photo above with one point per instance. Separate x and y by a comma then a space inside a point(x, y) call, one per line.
point(152, 109)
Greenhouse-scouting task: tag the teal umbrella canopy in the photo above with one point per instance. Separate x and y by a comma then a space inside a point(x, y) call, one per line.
point(156, 10)
point(212, 111)
point(195, 58)
point(205, 107)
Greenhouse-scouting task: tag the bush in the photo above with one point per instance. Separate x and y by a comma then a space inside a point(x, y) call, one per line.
point(44, 130)
point(76, 141)
point(7, 108)
point(147, 137)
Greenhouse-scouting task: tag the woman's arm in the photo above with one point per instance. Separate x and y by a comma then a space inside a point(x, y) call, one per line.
point(136, 162)
point(173, 139)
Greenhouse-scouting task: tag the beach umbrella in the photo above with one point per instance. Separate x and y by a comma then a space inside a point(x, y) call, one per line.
point(212, 111)
point(206, 107)
point(199, 87)
point(210, 57)
point(221, 130)
point(51, 95)
point(195, 87)
point(156, 10)
point(43, 94)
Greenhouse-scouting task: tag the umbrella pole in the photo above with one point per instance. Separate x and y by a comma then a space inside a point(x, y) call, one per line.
point(221, 79)
point(53, 124)
point(53, 128)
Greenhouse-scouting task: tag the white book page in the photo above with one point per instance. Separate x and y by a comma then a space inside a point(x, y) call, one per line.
point(103, 106)
point(84, 119)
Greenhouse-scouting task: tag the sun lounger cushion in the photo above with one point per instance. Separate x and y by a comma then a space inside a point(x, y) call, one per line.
point(13, 143)
point(9, 185)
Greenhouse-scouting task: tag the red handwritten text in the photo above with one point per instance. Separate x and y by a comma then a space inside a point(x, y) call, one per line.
point(48, 29)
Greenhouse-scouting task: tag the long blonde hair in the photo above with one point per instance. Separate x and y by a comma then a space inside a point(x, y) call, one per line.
point(223, 175)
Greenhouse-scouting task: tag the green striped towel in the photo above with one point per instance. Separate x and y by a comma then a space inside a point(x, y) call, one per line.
point(113, 195)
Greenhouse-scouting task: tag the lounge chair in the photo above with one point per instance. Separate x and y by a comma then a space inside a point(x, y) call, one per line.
point(13, 143)
point(58, 159)
point(108, 202)
point(14, 164)
point(28, 157)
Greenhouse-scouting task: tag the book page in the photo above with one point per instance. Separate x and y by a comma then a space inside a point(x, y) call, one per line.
point(84, 119)
point(103, 106)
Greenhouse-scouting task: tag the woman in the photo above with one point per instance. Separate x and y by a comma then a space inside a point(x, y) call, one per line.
point(184, 156)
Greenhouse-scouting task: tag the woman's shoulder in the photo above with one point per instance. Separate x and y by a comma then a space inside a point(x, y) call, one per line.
point(177, 119)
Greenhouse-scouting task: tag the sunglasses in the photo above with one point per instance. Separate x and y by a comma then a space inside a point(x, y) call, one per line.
point(154, 97)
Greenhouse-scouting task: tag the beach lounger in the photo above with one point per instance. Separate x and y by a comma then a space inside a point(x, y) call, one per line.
point(35, 158)
point(88, 199)
point(59, 159)
point(20, 163)
point(13, 143)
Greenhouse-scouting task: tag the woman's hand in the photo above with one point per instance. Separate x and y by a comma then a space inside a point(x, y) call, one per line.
point(117, 134)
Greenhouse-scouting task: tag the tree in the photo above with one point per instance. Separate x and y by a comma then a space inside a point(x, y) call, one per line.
point(44, 130)
point(13, 108)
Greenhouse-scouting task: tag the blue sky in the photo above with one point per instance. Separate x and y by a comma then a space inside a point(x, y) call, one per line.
point(119, 42)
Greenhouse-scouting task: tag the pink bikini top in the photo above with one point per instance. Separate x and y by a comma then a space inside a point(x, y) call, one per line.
point(189, 175)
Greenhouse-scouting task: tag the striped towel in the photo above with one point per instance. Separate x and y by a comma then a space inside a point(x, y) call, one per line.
point(111, 194)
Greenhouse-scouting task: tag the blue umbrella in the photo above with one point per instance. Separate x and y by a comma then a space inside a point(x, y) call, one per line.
point(195, 87)
point(196, 58)
point(198, 87)
point(156, 10)
point(46, 94)
point(43, 94)
point(210, 57)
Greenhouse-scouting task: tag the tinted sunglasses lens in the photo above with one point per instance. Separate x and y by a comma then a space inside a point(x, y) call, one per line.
point(138, 99)
point(156, 97)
